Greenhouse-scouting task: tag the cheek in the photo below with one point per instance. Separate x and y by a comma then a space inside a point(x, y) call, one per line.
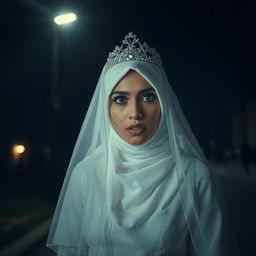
point(115, 115)
point(155, 113)
point(158, 117)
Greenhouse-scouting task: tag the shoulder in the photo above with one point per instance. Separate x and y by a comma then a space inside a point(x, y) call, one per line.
point(202, 169)
point(197, 169)
point(83, 172)
point(85, 166)
point(194, 164)
point(204, 177)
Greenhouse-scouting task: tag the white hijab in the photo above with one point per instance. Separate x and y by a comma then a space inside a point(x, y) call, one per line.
point(131, 200)
point(140, 180)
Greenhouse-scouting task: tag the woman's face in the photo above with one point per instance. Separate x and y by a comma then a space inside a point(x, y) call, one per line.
point(134, 109)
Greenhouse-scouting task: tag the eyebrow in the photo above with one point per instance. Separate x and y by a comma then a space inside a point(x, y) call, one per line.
point(126, 93)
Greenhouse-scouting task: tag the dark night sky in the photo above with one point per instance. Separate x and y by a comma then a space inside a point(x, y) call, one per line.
point(207, 47)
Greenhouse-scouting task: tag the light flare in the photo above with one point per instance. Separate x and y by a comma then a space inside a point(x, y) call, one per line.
point(65, 18)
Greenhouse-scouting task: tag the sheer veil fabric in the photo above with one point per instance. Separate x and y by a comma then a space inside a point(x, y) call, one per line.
point(136, 192)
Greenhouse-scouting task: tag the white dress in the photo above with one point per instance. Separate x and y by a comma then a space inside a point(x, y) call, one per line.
point(168, 235)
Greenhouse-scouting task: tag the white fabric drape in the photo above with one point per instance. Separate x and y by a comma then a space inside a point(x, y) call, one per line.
point(158, 198)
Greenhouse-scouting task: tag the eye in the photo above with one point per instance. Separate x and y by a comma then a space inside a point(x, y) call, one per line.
point(149, 97)
point(120, 100)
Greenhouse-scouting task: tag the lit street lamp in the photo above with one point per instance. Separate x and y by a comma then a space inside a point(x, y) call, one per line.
point(17, 151)
point(19, 158)
point(65, 18)
point(59, 20)
point(55, 95)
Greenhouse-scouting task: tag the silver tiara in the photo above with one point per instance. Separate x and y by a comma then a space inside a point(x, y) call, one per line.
point(131, 49)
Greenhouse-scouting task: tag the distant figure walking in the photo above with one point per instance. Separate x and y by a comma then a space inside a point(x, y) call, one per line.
point(245, 154)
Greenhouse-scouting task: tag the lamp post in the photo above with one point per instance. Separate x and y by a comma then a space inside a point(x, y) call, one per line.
point(60, 20)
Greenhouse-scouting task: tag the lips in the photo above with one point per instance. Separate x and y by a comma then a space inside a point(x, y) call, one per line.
point(136, 129)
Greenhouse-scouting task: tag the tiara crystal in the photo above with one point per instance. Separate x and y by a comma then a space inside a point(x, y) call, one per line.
point(130, 50)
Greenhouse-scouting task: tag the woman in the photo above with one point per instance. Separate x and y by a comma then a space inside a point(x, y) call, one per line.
point(138, 182)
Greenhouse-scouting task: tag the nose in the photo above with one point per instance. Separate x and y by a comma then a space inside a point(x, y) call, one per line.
point(136, 111)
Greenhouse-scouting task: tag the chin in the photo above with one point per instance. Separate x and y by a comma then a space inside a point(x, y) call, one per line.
point(136, 141)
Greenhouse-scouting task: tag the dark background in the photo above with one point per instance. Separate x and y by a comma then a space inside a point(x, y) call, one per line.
point(208, 51)
point(207, 48)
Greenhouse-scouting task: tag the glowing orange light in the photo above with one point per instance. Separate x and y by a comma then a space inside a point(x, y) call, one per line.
point(18, 149)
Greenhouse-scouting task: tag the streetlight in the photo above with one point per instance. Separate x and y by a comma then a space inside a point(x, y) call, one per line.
point(65, 18)
point(18, 149)
point(59, 20)
point(19, 156)
point(55, 95)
